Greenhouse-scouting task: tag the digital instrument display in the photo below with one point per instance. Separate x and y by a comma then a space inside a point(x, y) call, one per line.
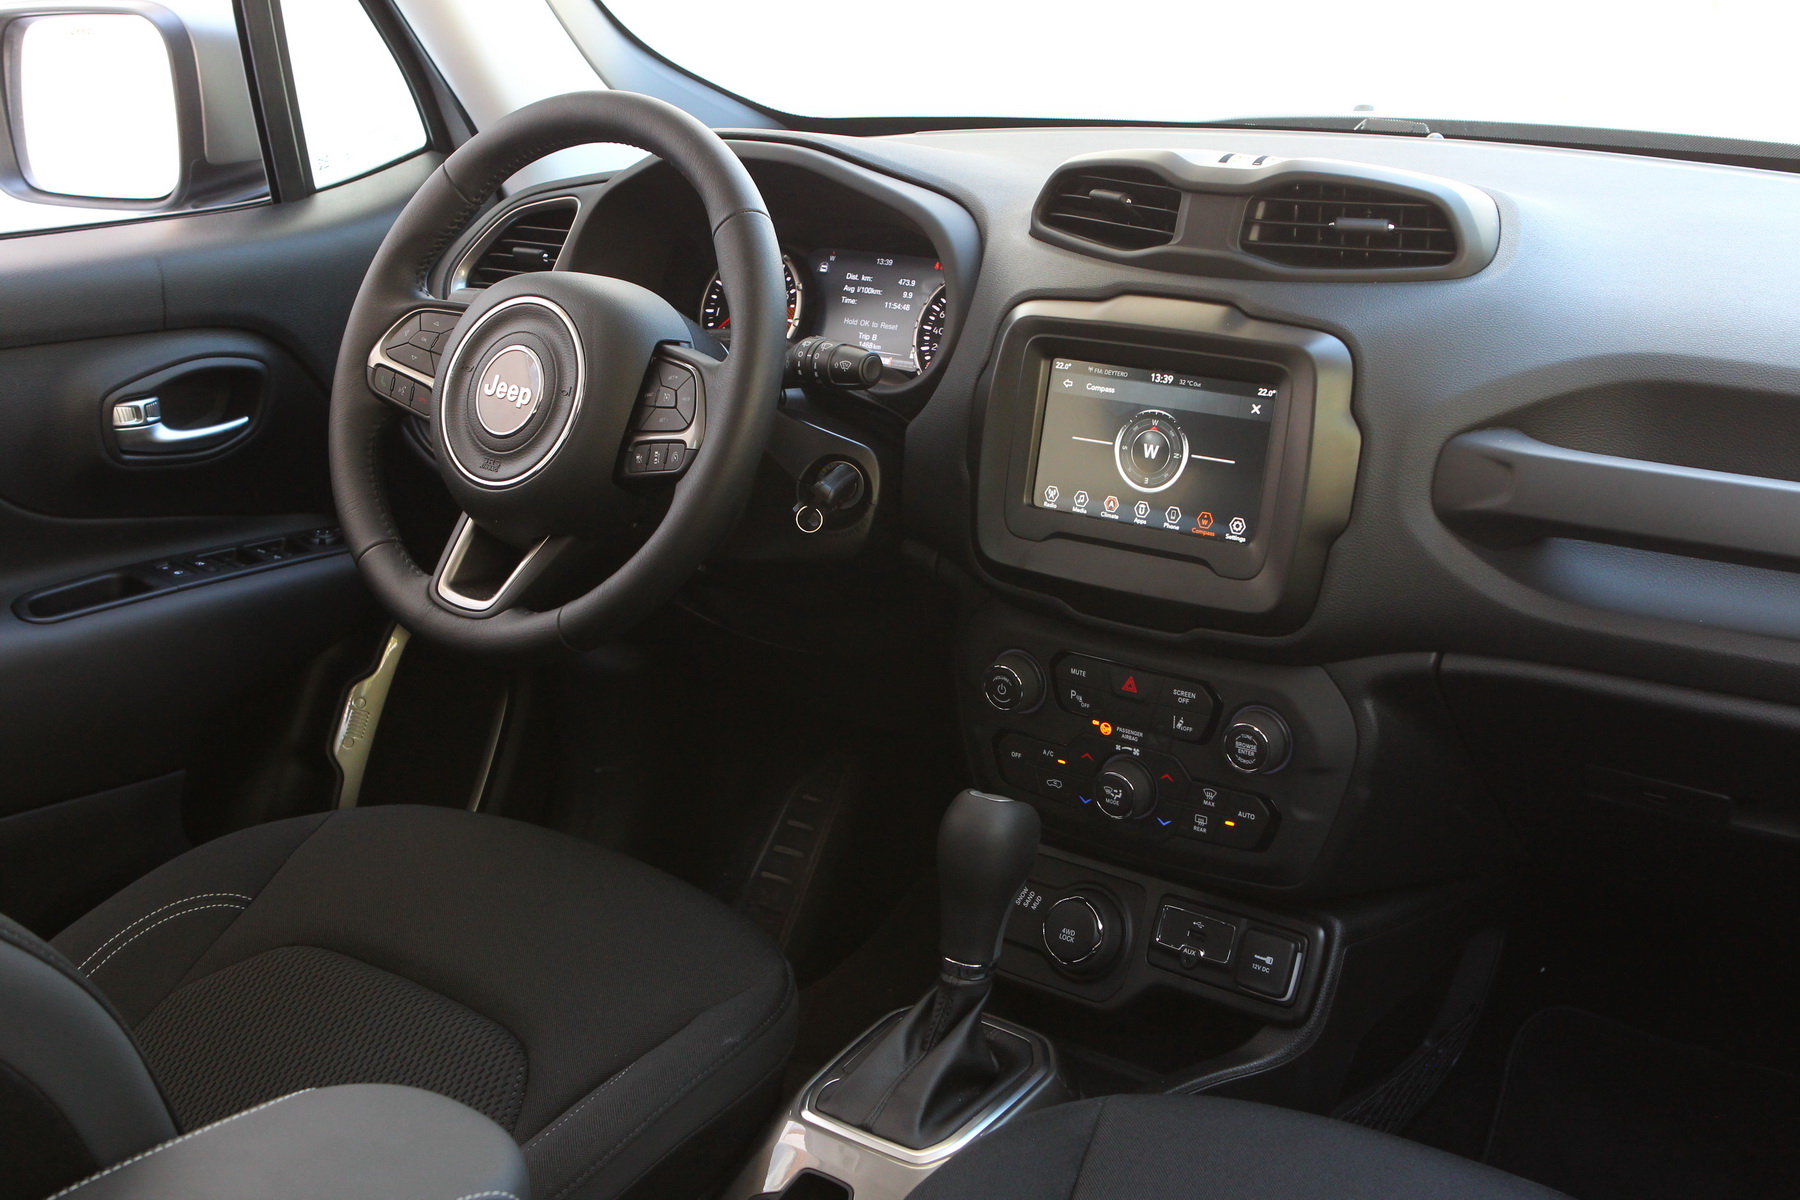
point(1157, 449)
point(880, 302)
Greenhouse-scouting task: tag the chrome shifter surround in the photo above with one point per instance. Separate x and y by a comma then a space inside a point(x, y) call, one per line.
point(873, 1167)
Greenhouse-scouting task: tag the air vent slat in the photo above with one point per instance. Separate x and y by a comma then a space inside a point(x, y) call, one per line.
point(1123, 208)
point(1297, 225)
point(530, 241)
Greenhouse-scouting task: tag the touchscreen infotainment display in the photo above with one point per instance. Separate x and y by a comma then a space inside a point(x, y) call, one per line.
point(876, 301)
point(1159, 449)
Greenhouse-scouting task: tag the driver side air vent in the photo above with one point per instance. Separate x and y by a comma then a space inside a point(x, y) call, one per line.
point(1120, 207)
point(528, 240)
point(1334, 226)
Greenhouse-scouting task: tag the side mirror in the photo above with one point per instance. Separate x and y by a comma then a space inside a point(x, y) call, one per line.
point(93, 106)
point(127, 106)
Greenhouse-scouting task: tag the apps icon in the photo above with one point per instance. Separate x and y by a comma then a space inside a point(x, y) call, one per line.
point(1142, 509)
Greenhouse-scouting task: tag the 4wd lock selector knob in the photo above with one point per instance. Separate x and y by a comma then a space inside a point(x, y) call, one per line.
point(1257, 741)
point(1014, 682)
point(1126, 790)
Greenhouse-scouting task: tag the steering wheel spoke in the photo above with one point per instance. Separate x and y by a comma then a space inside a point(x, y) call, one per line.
point(480, 575)
point(403, 365)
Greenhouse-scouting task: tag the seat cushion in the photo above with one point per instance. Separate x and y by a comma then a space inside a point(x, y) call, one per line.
point(597, 1009)
point(1202, 1148)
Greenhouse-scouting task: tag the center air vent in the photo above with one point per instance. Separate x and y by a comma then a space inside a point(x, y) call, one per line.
point(1120, 207)
point(528, 240)
point(1337, 226)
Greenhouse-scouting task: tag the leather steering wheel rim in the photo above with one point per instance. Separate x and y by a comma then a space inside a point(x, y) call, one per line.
point(740, 390)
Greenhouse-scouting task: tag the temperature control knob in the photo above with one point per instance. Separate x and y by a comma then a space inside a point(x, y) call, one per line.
point(1014, 682)
point(1126, 790)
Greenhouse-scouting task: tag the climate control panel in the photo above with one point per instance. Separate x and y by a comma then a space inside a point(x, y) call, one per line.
point(1227, 768)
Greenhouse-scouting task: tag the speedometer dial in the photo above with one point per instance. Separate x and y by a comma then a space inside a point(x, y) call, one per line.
point(715, 309)
point(930, 333)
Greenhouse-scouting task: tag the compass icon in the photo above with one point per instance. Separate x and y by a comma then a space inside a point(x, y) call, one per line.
point(1150, 450)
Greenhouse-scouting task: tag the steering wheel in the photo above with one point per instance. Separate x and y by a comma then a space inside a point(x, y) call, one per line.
point(540, 396)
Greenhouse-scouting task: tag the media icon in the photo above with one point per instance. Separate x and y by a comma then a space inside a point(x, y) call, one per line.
point(1081, 499)
point(1051, 494)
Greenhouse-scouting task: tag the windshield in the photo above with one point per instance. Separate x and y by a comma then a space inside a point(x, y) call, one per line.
point(1721, 68)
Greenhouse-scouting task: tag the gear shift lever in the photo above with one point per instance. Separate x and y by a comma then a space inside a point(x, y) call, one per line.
point(985, 848)
point(919, 1080)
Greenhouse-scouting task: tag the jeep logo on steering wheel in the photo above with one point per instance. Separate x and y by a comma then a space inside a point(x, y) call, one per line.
point(508, 389)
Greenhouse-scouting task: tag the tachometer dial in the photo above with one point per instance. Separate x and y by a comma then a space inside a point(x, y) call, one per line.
point(930, 333)
point(715, 309)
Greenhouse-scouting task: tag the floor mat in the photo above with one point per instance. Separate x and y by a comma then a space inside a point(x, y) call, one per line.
point(1602, 1111)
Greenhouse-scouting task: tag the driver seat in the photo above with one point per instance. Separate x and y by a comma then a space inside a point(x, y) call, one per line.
point(601, 1012)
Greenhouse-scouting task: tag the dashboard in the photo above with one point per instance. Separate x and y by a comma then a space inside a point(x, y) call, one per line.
point(1217, 467)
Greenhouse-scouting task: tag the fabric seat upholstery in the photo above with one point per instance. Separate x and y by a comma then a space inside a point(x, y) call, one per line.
point(1204, 1148)
point(598, 1010)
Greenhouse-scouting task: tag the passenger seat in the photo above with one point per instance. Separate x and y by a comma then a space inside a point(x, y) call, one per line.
point(1205, 1148)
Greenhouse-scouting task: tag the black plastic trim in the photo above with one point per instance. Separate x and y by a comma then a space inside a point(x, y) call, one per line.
point(141, 581)
point(1501, 485)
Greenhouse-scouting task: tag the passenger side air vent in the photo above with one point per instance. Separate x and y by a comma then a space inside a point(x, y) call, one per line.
point(527, 241)
point(1337, 226)
point(1120, 207)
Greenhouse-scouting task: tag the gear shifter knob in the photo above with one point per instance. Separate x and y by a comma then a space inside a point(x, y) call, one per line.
point(986, 845)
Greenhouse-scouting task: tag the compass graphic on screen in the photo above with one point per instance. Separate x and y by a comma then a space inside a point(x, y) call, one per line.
point(1150, 450)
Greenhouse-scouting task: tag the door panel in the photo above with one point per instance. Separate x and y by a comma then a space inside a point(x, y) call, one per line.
point(107, 717)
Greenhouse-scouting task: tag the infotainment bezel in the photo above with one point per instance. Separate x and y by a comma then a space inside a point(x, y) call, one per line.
point(1309, 475)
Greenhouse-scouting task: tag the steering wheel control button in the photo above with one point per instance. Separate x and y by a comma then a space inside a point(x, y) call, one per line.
point(1193, 936)
point(1257, 741)
point(1073, 930)
point(508, 389)
point(1268, 964)
point(1014, 682)
point(1127, 792)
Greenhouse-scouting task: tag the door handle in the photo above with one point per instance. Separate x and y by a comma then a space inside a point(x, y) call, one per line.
point(139, 428)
